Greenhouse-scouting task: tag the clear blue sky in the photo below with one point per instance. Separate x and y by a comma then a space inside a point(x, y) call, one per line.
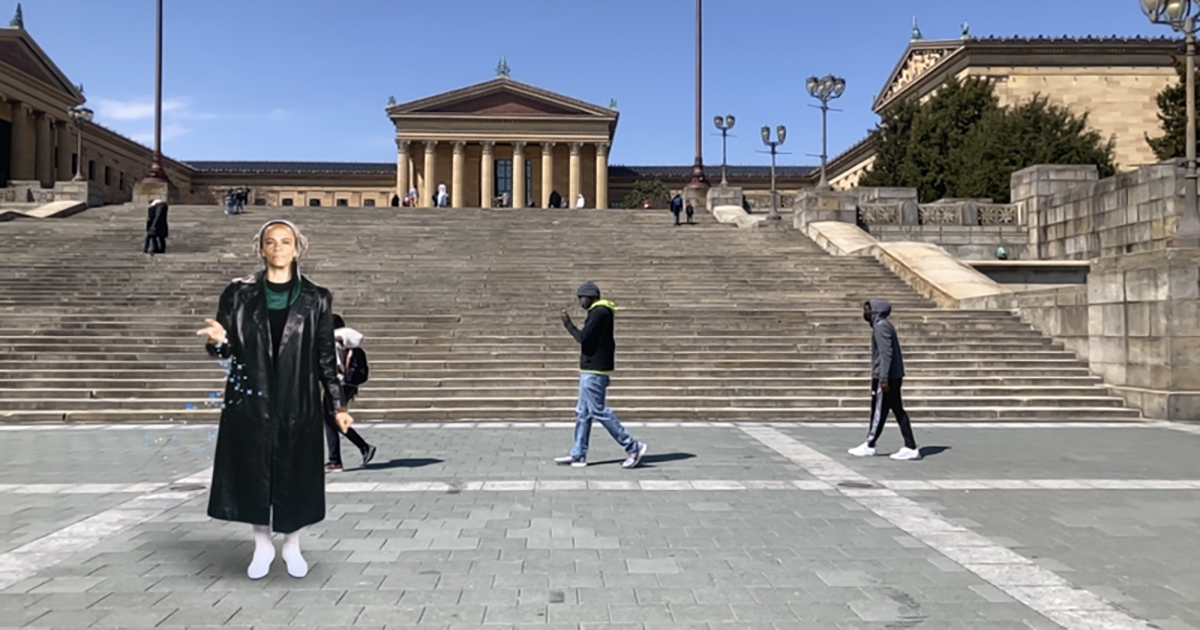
point(308, 79)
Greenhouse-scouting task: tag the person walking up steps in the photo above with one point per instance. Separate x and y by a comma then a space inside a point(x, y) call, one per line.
point(887, 377)
point(596, 362)
point(353, 371)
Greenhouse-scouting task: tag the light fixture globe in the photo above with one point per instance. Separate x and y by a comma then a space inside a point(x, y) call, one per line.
point(813, 84)
point(729, 120)
point(766, 135)
point(781, 133)
point(82, 113)
point(839, 86)
point(1153, 8)
point(1178, 10)
point(717, 121)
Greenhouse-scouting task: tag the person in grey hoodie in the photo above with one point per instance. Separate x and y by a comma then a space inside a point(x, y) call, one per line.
point(887, 377)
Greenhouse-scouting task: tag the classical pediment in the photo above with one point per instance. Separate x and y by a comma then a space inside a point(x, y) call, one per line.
point(918, 59)
point(22, 56)
point(505, 97)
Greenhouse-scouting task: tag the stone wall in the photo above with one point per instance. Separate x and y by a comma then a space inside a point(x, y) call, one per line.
point(965, 242)
point(1073, 215)
point(1137, 324)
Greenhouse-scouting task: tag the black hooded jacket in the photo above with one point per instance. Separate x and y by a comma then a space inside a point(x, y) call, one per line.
point(597, 348)
point(887, 360)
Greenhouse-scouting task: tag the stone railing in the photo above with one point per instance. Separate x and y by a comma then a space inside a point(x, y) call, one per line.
point(940, 213)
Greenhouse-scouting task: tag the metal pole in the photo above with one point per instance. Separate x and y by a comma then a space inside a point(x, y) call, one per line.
point(824, 185)
point(156, 172)
point(78, 151)
point(1188, 233)
point(698, 179)
point(774, 195)
point(724, 135)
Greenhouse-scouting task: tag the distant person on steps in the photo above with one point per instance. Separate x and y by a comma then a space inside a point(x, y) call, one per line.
point(276, 327)
point(887, 377)
point(690, 211)
point(596, 361)
point(676, 207)
point(353, 371)
point(156, 228)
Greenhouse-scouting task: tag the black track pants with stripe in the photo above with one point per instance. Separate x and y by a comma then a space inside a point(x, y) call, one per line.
point(884, 402)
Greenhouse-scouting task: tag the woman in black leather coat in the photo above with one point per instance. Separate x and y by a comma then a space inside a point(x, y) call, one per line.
point(276, 328)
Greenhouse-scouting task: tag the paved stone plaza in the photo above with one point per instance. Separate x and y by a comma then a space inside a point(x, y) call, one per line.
point(741, 526)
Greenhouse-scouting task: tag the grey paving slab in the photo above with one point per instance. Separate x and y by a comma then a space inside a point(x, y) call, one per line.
point(1017, 453)
point(100, 456)
point(27, 517)
point(526, 453)
point(1129, 547)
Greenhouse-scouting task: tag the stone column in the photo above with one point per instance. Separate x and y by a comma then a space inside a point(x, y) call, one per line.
point(574, 191)
point(518, 187)
point(547, 172)
point(401, 168)
point(487, 171)
point(45, 150)
point(430, 174)
point(66, 148)
point(456, 175)
point(602, 175)
point(20, 157)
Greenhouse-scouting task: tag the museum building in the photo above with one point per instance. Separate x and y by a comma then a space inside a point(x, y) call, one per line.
point(504, 142)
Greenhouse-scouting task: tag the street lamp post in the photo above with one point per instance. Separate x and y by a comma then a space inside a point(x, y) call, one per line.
point(698, 179)
point(780, 136)
point(724, 124)
point(1180, 15)
point(825, 89)
point(80, 115)
point(156, 172)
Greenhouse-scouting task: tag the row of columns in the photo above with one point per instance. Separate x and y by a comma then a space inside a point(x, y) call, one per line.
point(31, 150)
point(487, 173)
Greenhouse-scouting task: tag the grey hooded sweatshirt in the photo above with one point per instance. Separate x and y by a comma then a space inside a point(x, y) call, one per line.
point(887, 361)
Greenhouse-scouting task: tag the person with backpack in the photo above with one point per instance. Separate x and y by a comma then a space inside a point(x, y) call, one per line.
point(353, 371)
point(676, 207)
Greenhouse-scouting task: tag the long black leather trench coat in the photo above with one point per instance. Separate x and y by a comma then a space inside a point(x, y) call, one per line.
point(269, 462)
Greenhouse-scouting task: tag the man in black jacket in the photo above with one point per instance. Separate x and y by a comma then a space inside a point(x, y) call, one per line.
point(887, 376)
point(156, 228)
point(596, 362)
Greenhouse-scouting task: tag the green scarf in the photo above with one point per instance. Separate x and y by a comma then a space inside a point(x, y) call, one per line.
point(278, 300)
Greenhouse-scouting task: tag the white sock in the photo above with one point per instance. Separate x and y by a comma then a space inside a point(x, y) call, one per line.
point(296, 566)
point(264, 553)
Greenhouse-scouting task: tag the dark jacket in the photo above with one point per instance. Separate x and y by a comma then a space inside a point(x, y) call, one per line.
point(270, 446)
point(887, 360)
point(597, 348)
point(156, 220)
point(676, 204)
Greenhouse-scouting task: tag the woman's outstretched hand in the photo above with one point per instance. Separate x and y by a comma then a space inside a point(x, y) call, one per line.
point(214, 332)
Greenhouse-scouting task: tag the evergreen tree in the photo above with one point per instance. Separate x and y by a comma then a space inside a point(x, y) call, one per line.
point(890, 138)
point(1172, 116)
point(939, 132)
point(651, 189)
point(1033, 132)
point(961, 143)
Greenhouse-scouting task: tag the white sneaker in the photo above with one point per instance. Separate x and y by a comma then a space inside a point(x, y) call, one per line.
point(907, 454)
point(862, 450)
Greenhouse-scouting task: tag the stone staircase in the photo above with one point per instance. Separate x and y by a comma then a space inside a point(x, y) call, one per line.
point(460, 309)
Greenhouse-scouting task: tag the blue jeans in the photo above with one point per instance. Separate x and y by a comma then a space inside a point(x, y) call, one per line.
point(592, 389)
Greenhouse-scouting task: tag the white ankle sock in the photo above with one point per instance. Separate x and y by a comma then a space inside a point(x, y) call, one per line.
point(296, 566)
point(264, 553)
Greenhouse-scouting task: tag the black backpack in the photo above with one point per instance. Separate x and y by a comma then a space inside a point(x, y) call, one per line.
point(358, 371)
